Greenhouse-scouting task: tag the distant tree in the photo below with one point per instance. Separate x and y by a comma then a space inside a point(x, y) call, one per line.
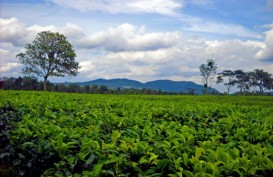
point(191, 91)
point(208, 72)
point(103, 89)
point(30, 83)
point(262, 79)
point(219, 79)
point(146, 91)
point(50, 54)
point(2, 83)
point(242, 80)
point(75, 88)
point(228, 78)
point(18, 83)
point(94, 89)
point(118, 90)
point(61, 88)
point(9, 83)
point(252, 80)
point(87, 88)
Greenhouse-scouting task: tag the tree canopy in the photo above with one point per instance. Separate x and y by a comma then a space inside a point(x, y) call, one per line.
point(49, 55)
point(230, 77)
point(208, 72)
point(246, 80)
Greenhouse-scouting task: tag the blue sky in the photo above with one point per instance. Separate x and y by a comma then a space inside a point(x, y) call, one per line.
point(144, 39)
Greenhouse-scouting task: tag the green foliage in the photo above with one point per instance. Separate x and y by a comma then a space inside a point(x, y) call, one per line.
point(245, 80)
point(60, 134)
point(50, 54)
point(208, 72)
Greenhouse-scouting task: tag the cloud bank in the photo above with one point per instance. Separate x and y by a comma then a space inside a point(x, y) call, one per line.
point(164, 7)
point(129, 51)
point(127, 37)
point(266, 52)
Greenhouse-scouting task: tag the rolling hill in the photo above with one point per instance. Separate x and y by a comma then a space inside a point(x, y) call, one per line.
point(163, 85)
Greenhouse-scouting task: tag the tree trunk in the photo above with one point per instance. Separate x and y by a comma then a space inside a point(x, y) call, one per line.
point(261, 88)
point(228, 89)
point(45, 83)
point(205, 91)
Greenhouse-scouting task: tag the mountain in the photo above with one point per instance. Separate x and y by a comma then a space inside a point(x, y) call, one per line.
point(163, 85)
point(113, 83)
point(172, 86)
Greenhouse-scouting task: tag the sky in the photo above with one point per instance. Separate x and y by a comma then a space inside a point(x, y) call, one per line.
point(143, 40)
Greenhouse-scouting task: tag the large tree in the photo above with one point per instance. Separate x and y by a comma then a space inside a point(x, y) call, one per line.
point(242, 80)
point(208, 72)
point(50, 54)
point(263, 80)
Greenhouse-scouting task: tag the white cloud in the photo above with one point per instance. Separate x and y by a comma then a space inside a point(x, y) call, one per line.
point(10, 68)
point(72, 31)
point(17, 33)
point(266, 52)
point(199, 25)
point(11, 30)
point(233, 53)
point(127, 37)
point(140, 57)
point(86, 66)
point(4, 52)
point(177, 62)
point(37, 28)
point(165, 7)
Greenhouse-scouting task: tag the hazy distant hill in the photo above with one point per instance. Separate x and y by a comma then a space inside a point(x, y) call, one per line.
point(163, 85)
point(113, 83)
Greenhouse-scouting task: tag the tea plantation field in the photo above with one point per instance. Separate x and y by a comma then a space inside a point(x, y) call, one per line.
point(60, 134)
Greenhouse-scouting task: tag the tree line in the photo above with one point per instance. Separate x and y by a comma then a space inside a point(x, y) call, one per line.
point(256, 81)
point(32, 83)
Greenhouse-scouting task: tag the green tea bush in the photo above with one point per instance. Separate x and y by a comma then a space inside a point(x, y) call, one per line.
point(58, 134)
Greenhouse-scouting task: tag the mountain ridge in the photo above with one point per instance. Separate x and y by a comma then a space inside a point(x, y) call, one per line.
point(163, 85)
